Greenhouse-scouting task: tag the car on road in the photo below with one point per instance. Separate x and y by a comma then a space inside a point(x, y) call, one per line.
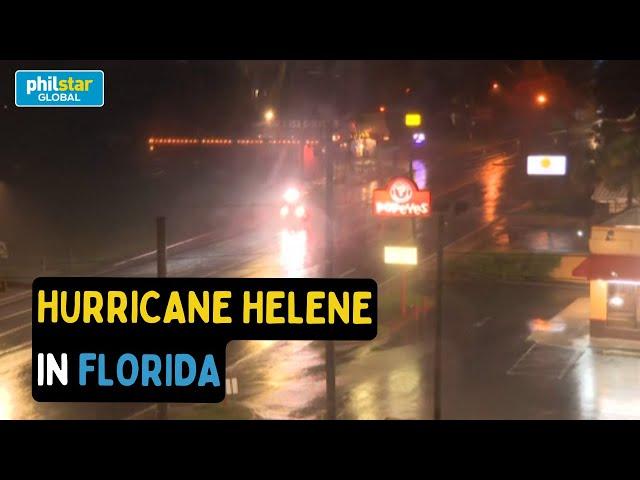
point(293, 211)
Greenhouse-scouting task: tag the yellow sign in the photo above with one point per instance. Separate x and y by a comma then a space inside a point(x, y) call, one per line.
point(413, 119)
point(401, 255)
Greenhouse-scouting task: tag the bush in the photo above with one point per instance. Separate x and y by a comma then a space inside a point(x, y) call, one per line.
point(501, 266)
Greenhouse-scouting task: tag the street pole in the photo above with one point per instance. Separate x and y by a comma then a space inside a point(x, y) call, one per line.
point(413, 220)
point(301, 159)
point(437, 350)
point(161, 241)
point(403, 293)
point(330, 360)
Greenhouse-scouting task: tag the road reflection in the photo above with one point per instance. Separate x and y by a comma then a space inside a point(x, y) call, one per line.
point(607, 386)
point(6, 406)
point(492, 179)
point(284, 381)
point(293, 252)
point(15, 391)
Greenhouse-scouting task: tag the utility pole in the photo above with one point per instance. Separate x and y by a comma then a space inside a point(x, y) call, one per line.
point(437, 350)
point(161, 241)
point(330, 358)
point(301, 159)
point(413, 220)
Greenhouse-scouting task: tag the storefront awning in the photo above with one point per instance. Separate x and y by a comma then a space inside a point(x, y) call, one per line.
point(609, 267)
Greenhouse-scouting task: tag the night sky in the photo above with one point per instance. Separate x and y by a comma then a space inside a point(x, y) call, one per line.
point(194, 98)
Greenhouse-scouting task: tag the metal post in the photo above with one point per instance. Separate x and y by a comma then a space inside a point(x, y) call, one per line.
point(403, 294)
point(437, 351)
point(161, 241)
point(413, 220)
point(303, 176)
point(330, 365)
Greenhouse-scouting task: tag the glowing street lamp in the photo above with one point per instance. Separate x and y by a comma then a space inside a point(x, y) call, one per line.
point(541, 99)
point(269, 115)
point(495, 86)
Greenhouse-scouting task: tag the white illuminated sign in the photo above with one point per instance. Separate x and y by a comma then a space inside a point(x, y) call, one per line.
point(546, 165)
point(401, 255)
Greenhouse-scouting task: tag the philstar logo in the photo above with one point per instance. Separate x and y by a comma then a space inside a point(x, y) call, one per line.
point(401, 191)
point(59, 88)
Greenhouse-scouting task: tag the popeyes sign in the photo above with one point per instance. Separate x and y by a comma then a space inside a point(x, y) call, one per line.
point(401, 199)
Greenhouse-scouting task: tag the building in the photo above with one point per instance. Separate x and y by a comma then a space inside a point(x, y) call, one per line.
point(613, 271)
point(616, 199)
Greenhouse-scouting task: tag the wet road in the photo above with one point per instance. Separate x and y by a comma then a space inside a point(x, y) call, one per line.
point(386, 378)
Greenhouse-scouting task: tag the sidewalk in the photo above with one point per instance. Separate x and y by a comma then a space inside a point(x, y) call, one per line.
point(570, 328)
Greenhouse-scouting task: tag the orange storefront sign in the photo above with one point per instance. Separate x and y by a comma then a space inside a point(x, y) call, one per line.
point(401, 199)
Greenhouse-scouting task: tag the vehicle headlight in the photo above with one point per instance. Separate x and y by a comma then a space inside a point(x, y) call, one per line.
point(291, 195)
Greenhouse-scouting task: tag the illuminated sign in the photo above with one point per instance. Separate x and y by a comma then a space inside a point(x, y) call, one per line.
point(419, 173)
point(401, 198)
point(546, 165)
point(419, 138)
point(413, 119)
point(401, 255)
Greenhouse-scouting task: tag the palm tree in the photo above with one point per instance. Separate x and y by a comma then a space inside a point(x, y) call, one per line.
point(617, 160)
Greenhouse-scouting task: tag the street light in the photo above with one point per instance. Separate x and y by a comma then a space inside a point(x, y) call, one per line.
point(495, 86)
point(269, 115)
point(382, 108)
point(541, 99)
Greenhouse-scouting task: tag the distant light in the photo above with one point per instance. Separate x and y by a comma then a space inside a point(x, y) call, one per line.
point(284, 211)
point(151, 148)
point(407, 90)
point(616, 301)
point(385, 138)
point(256, 92)
point(300, 211)
point(580, 233)
point(419, 173)
point(495, 86)
point(419, 138)
point(413, 119)
point(291, 195)
point(335, 137)
point(382, 108)
point(541, 99)
point(269, 115)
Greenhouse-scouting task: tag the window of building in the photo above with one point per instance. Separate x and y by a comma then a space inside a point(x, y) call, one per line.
point(622, 305)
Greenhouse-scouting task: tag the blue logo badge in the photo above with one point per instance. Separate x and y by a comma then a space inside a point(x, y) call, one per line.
point(59, 88)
